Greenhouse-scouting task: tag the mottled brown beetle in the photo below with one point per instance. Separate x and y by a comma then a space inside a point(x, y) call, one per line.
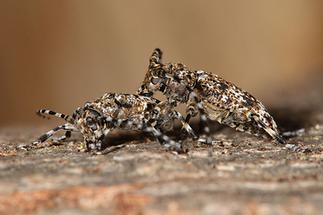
point(210, 96)
point(97, 119)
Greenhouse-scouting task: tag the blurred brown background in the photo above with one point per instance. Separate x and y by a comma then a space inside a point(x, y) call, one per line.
point(59, 54)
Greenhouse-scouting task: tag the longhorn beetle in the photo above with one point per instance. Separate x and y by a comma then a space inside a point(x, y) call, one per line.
point(210, 96)
point(97, 119)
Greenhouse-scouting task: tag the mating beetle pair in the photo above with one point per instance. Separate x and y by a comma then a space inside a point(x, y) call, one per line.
point(204, 93)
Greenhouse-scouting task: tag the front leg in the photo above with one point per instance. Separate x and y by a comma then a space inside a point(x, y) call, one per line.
point(191, 111)
point(67, 127)
point(204, 125)
point(94, 141)
point(196, 107)
point(93, 145)
point(185, 125)
point(62, 138)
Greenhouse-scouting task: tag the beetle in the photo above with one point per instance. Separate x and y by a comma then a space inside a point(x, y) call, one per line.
point(210, 96)
point(95, 120)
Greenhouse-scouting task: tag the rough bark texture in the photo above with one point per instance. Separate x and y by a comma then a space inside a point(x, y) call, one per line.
point(241, 175)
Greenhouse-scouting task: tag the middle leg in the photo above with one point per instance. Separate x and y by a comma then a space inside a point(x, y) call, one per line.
point(162, 138)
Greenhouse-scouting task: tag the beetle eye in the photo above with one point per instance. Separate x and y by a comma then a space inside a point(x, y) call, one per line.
point(90, 122)
point(155, 80)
